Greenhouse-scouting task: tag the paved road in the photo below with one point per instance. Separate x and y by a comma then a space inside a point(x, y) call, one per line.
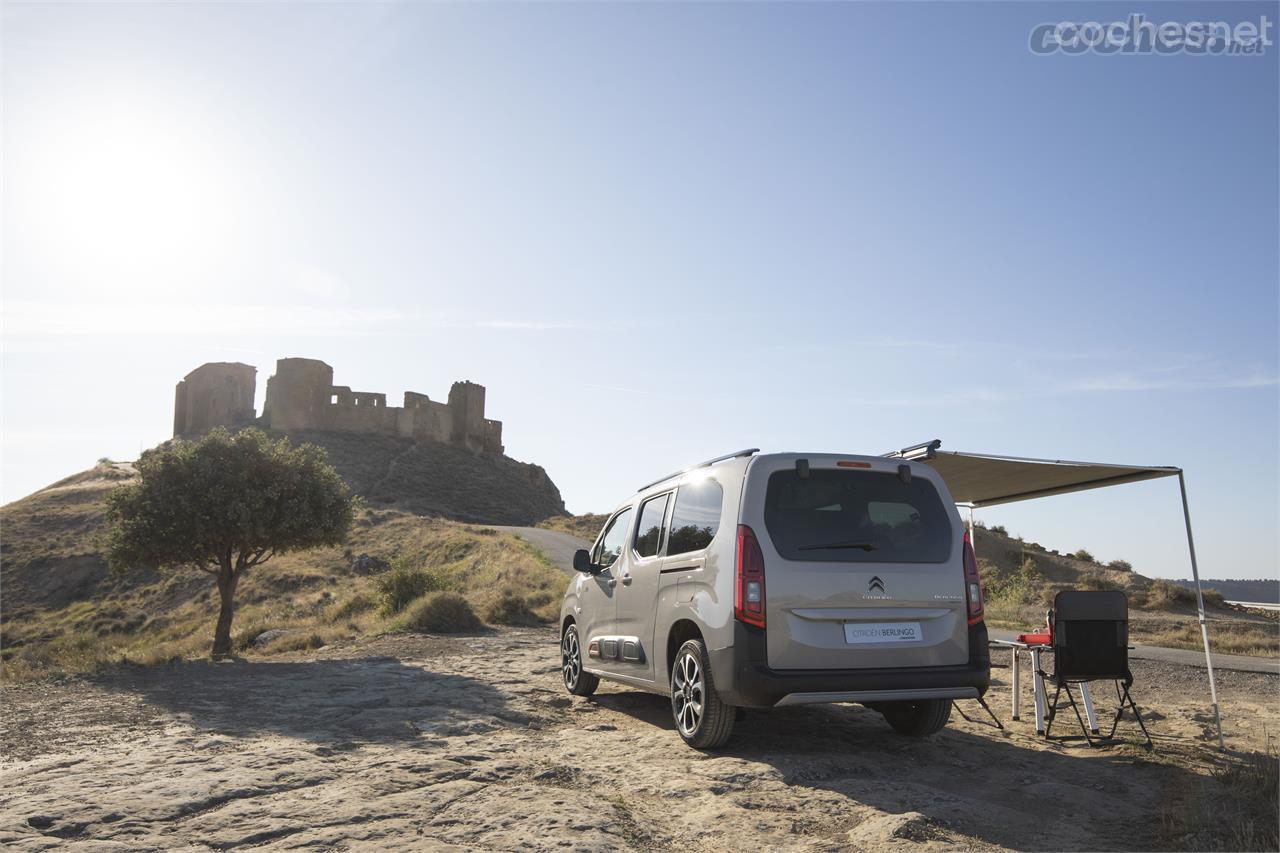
point(559, 547)
point(1241, 663)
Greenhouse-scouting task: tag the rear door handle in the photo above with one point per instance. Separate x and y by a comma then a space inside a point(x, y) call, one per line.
point(626, 580)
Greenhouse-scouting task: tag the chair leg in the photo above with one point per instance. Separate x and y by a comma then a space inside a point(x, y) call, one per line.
point(1052, 710)
point(1119, 711)
point(1137, 716)
point(1123, 698)
point(1074, 707)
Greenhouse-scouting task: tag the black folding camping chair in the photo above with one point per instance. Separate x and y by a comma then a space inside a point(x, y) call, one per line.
point(1091, 643)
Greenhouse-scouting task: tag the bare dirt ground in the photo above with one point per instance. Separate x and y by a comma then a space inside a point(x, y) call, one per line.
point(423, 742)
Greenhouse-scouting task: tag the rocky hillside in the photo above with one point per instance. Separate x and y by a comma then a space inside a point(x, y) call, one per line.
point(427, 478)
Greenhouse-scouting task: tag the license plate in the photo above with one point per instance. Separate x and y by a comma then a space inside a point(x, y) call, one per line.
point(857, 633)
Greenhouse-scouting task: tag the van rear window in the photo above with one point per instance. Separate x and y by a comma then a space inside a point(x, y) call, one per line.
point(844, 516)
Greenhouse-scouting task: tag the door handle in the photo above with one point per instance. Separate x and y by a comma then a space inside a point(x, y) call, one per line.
point(613, 582)
point(626, 580)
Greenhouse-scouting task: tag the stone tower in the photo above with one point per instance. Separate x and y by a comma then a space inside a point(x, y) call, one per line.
point(299, 393)
point(216, 394)
point(466, 399)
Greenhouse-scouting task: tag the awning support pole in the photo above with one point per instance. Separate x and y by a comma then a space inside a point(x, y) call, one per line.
point(1204, 625)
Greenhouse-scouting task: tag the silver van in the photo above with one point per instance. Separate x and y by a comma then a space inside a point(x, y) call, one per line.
point(782, 579)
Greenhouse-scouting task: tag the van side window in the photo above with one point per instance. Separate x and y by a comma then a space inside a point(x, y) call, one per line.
point(649, 529)
point(696, 517)
point(613, 540)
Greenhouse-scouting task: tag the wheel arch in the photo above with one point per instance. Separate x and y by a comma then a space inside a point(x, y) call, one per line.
point(680, 632)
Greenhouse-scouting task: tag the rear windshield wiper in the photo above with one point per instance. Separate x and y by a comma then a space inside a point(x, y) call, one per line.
point(864, 544)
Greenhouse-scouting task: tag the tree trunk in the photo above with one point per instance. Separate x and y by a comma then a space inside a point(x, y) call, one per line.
point(222, 634)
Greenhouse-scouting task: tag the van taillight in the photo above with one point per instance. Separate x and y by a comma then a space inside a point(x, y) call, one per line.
point(972, 583)
point(748, 598)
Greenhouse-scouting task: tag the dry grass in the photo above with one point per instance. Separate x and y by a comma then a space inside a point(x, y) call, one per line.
point(586, 526)
point(439, 613)
point(511, 608)
point(315, 596)
point(1237, 807)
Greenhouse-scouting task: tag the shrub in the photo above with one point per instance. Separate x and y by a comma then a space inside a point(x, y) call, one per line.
point(359, 603)
point(1014, 589)
point(999, 530)
point(1120, 565)
point(1165, 594)
point(1094, 581)
point(403, 583)
point(1084, 555)
point(440, 613)
point(301, 641)
point(511, 608)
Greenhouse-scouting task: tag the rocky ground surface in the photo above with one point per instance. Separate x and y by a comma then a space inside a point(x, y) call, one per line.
point(423, 742)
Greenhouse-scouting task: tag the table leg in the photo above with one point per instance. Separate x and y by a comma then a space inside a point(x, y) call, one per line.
point(1088, 707)
point(1017, 690)
point(1038, 689)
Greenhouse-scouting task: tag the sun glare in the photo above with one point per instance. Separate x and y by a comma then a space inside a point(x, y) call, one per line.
point(128, 190)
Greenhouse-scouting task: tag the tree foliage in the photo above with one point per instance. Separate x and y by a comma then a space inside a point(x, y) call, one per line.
point(224, 504)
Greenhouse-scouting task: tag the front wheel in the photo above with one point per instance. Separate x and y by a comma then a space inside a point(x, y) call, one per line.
point(701, 718)
point(919, 718)
point(577, 680)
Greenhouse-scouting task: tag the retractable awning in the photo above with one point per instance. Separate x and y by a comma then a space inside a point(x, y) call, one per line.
point(981, 479)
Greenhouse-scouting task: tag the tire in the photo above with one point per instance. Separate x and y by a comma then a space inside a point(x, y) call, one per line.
point(917, 719)
point(577, 680)
point(700, 717)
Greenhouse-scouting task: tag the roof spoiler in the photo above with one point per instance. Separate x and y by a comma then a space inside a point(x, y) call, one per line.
point(748, 452)
point(917, 452)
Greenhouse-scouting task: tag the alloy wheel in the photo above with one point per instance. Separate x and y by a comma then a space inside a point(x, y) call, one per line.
point(687, 694)
point(570, 658)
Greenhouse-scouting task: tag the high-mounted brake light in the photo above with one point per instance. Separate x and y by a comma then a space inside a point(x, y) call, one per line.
point(849, 463)
point(972, 583)
point(748, 593)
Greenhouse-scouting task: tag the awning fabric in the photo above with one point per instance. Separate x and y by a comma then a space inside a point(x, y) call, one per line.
point(979, 479)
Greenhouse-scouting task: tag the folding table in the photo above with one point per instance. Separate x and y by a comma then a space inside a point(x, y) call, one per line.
point(1041, 698)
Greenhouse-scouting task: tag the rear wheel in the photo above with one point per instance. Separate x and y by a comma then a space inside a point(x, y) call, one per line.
point(918, 718)
point(577, 680)
point(701, 718)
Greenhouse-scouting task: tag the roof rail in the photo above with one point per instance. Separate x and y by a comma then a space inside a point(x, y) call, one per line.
point(918, 452)
point(749, 451)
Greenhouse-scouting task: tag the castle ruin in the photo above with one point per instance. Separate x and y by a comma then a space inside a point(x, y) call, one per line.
point(301, 396)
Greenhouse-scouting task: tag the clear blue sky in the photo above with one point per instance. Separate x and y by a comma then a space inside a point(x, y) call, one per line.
point(662, 232)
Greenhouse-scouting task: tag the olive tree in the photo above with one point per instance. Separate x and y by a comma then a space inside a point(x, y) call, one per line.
point(224, 504)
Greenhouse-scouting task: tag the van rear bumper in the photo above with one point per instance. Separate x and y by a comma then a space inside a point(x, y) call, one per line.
point(743, 677)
